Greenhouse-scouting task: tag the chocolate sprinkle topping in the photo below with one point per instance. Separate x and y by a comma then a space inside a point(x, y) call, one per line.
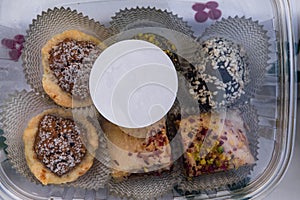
point(58, 144)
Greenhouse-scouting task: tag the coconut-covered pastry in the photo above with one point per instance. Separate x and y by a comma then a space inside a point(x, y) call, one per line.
point(138, 150)
point(62, 58)
point(214, 142)
point(222, 65)
point(57, 148)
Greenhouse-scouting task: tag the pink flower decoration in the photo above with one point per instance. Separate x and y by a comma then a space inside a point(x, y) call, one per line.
point(15, 45)
point(206, 10)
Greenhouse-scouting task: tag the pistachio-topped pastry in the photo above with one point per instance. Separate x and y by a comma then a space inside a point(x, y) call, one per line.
point(62, 59)
point(214, 142)
point(59, 149)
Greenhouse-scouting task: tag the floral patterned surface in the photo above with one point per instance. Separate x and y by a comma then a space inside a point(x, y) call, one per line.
point(205, 11)
point(14, 46)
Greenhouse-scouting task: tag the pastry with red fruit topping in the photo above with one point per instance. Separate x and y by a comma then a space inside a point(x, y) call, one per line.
point(138, 150)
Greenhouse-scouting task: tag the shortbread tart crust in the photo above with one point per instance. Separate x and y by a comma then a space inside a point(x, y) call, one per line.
point(39, 170)
point(50, 82)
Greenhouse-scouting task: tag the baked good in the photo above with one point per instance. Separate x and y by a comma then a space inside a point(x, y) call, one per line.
point(222, 65)
point(138, 150)
point(59, 149)
point(157, 40)
point(214, 142)
point(187, 73)
point(62, 58)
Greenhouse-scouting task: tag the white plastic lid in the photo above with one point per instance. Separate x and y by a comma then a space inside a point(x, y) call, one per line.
point(133, 83)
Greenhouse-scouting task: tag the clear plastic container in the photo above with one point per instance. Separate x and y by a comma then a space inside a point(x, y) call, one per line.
point(274, 102)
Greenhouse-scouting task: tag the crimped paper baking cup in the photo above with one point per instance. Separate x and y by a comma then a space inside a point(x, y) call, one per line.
point(145, 186)
point(252, 37)
point(148, 17)
point(43, 28)
point(17, 112)
point(175, 44)
point(206, 183)
point(133, 23)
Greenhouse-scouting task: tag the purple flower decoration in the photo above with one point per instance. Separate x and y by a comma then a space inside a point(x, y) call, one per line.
point(206, 10)
point(15, 45)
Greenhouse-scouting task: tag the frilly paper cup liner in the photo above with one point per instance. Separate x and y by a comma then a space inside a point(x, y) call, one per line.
point(43, 28)
point(223, 180)
point(19, 109)
point(148, 17)
point(145, 186)
point(133, 23)
point(252, 37)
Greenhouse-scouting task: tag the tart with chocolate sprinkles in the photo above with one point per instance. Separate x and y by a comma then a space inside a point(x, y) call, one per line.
point(59, 149)
point(222, 65)
point(214, 142)
point(62, 59)
point(141, 150)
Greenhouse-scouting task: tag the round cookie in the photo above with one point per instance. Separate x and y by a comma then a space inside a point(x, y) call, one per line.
point(62, 58)
point(58, 149)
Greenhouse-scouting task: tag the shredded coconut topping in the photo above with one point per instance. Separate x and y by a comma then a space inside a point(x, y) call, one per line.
point(66, 62)
point(58, 144)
